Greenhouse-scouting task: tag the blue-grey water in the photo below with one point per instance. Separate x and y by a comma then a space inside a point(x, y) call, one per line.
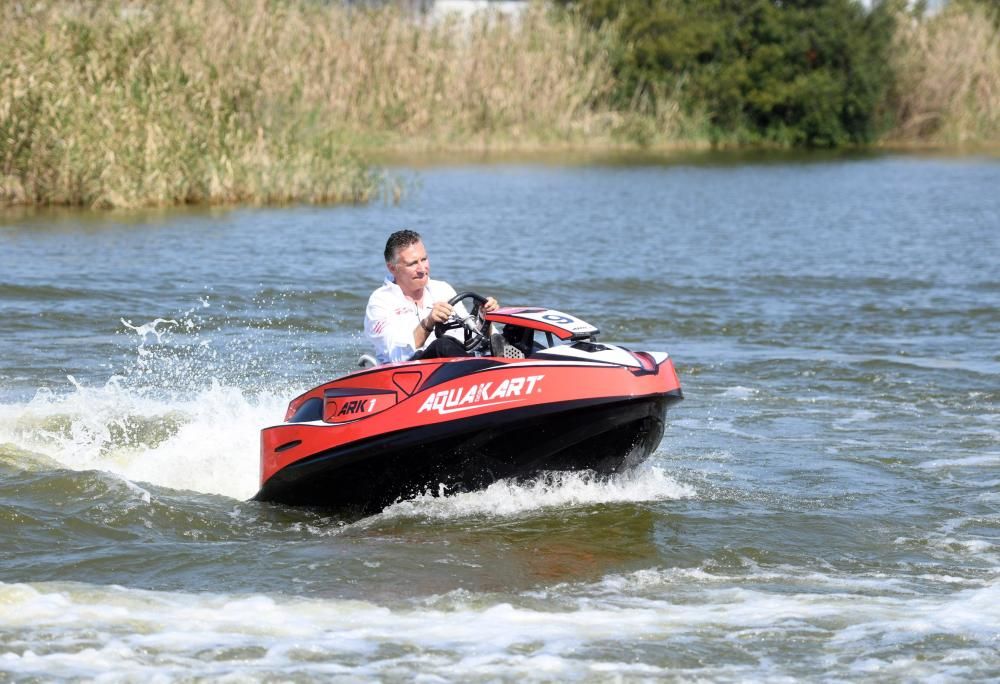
point(824, 506)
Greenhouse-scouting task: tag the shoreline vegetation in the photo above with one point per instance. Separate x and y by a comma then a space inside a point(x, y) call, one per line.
point(204, 102)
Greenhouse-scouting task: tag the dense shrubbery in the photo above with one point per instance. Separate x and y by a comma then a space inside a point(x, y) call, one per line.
point(791, 72)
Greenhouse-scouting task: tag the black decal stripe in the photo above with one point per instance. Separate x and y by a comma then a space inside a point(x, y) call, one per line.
point(455, 369)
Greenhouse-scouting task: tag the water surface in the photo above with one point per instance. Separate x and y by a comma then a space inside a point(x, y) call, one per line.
point(825, 503)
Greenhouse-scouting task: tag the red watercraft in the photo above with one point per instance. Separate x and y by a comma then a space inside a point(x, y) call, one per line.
point(545, 397)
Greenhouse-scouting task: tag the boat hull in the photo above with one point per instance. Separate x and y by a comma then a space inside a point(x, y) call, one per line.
point(602, 435)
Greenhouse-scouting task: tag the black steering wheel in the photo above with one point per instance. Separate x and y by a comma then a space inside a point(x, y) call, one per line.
point(474, 325)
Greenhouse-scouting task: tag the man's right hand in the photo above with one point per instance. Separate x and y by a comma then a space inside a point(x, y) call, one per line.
point(440, 313)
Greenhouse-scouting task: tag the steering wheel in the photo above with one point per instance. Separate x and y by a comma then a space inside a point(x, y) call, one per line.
point(474, 325)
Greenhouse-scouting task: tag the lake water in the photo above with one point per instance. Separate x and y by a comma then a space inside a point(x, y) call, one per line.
point(825, 504)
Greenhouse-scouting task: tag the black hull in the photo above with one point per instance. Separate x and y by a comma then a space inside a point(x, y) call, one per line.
point(365, 477)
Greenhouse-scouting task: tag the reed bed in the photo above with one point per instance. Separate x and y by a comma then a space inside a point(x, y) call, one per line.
point(118, 104)
point(487, 81)
point(114, 105)
point(202, 101)
point(948, 78)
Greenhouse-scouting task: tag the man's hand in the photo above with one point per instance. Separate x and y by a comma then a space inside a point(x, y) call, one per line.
point(439, 313)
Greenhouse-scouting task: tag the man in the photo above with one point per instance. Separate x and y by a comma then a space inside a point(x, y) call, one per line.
point(401, 315)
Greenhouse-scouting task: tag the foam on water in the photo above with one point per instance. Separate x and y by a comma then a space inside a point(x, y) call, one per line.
point(791, 579)
point(985, 460)
point(75, 630)
point(207, 443)
point(554, 490)
point(739, 392)
point(184, 411)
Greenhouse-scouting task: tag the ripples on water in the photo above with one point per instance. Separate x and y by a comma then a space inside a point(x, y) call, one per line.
point(824, 505)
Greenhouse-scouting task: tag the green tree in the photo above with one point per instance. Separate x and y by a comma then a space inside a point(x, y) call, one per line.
point(791, 72)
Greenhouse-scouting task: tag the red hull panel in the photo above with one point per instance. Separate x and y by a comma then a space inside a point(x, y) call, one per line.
point(420, 395)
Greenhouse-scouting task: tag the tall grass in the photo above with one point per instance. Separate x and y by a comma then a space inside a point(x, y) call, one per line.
point(113, 103)
point(123, 105)
point(948, 78)
point(182, 101)
point(488, 81)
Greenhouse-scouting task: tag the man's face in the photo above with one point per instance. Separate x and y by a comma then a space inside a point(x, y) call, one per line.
point(411, 269)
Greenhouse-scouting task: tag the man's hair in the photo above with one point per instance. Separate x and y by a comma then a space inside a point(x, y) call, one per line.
point(401, 239)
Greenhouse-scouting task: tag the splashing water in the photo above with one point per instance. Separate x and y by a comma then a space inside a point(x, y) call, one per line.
point(184, 412)
point(207, 443)
point(553, 490)
point(150, 328)
point(185, 416)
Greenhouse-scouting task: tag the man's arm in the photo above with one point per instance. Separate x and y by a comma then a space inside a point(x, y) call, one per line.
point(439, 314)
point(392, 341)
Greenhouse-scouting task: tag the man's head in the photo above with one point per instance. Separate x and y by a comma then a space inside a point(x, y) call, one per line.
point(406, 259)
point(398, 241)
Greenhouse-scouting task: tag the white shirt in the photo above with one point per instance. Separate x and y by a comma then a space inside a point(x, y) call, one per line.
point(390, 318)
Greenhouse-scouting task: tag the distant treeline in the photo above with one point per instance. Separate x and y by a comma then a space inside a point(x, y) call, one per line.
point(107, 103)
